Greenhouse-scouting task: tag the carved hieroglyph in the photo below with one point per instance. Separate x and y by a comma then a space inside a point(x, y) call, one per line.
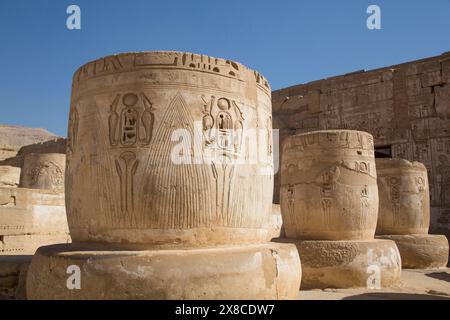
point(43, 171)
point(404, 214)
point(169, 155)
point(132, 114)
point(329, 186)
point(404, 197)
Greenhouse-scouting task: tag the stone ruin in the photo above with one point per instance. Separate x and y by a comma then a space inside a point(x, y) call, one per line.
point(329, 203)
point(157, 217)
point(406, 108)
point(404, 214)
point(32, 211)
point(32, 207)
point(164, 201)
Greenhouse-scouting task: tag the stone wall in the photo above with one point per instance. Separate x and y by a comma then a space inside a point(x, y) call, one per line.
point(405, 107)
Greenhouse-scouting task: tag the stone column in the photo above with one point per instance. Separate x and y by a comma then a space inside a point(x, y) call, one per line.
point(43, 171)
point(404, 214)
point(169, 155)
point(32, 212)
point(329, 203)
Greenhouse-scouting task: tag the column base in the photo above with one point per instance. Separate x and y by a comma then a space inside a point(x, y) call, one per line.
point(348, 264)
point(421, 251)
point(266, 271)
point(13, 270)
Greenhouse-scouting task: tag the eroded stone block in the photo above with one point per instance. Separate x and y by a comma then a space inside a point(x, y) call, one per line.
point(270, 271)
point(404, 197)
point(43, 171)
point(9, 176)
point(348, 264)
point(421, 251)
point(27, 244)
point(404, 214)
point(328, 186)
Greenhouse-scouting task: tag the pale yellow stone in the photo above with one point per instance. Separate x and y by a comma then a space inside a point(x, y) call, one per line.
point(269, 271)
point(43, 171)
point(348, 264)
point(27, 244)
point(329, 204)
point(421, 251)
point(404, 214)
point(276, 222)
point(30, 218)
point(32, 211)
point(9, 176)
point(123, 185)
point(329, 186)
point(404, 197)
point(169, 168)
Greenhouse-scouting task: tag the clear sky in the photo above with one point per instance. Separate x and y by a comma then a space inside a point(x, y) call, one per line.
point(290, 42)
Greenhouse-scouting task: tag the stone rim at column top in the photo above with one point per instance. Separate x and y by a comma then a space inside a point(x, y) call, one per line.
point(291, 139)
point(398, 163)
point(328, 131)
point(177, 60)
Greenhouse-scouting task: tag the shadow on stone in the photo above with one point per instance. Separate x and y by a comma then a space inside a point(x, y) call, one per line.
point(395, 296)
point(439, 275)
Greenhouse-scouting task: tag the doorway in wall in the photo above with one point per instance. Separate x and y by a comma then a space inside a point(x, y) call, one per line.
point(383, 152)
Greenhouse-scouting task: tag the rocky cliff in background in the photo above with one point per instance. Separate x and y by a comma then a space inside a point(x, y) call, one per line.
point(12, 138)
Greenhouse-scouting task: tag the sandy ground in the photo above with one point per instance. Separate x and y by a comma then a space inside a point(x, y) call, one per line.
point(415, 285)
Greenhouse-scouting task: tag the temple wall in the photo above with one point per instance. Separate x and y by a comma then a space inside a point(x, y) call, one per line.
point(405, 107)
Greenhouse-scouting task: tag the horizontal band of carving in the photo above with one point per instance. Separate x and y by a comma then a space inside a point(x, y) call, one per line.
point(169, 60)
point(330, 139)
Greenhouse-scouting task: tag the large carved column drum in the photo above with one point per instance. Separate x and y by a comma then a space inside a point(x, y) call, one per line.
point(404, 214)
point(173, 151)
point(43, 171)
point(329, 186)
point(329, 203)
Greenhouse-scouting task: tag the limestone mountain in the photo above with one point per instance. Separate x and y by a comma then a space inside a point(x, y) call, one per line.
point(12, 138)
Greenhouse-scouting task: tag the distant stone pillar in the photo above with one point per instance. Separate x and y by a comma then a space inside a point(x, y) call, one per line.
point(404, 214)
point(43, 171)
point(329, 203)
point(173, 151)
point(329, 187)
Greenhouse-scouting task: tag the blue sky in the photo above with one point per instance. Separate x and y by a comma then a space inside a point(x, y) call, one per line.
point(289, 42)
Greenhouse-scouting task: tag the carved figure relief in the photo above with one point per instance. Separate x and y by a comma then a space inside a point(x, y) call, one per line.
point(365, 206)
point(326, 212)
point(394, 185)
point(328, 179)
point(290, 195)
point(50, 171)
point(131, 121)
point(223, 125)
point(421, 184)
point(130, 125)
point(223, 174)
point(126, 168)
